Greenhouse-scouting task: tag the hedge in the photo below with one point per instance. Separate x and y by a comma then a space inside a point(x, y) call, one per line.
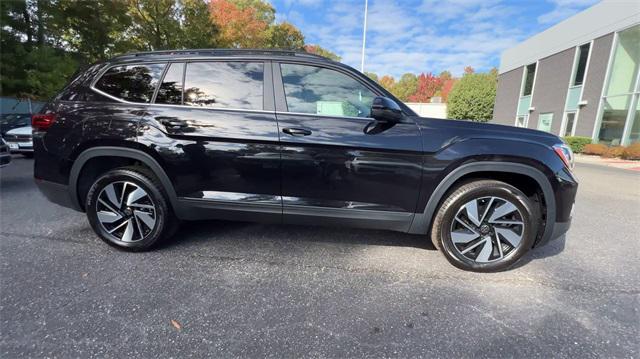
point(632, 152)
point(577, 143)
point(594, 149)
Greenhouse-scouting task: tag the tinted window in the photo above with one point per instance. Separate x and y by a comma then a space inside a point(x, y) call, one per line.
point(171, 88)
point(135, 83)
point(528, 80)
point(224, 85)
point(316, 90)
point(583, 55)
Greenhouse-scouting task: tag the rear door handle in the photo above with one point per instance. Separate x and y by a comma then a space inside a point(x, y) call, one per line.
point(296, 131)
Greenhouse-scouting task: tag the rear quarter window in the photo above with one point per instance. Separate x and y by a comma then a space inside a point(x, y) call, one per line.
point(133, 83)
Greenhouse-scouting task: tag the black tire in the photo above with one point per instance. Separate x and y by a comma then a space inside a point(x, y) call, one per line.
point(165, 222)
point(502, 254)
point(27, 154)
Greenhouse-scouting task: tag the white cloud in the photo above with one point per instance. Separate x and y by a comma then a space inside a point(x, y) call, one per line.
point(423, 35)
point(563, 9)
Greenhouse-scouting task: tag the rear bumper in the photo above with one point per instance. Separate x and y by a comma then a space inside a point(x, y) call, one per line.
point(57, 193)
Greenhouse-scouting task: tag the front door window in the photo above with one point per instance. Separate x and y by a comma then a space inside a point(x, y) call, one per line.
point(321, 91)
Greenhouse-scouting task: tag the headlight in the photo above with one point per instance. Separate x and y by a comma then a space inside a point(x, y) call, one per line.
point(565, 153)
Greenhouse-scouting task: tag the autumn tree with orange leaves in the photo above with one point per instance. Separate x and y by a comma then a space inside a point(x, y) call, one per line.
point(238, 27)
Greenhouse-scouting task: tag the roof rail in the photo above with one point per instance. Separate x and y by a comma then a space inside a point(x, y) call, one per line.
point(222, 52)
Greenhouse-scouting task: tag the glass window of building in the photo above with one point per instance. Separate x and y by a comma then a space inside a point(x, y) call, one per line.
point(529, 76)
point(619, 104)
point(544, 121)
point(569, 123)
point(581, 66)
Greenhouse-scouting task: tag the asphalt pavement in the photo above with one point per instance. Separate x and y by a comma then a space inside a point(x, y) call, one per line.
point(227, 289)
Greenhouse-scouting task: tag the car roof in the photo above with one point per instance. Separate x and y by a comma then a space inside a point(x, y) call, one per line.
point(218, 53)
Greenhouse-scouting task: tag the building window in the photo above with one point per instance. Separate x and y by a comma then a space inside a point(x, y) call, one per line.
point(529, 76)
point(544, 121)
point(569, 124)
point(581, 66)
point(522, 121)
point(620, 101)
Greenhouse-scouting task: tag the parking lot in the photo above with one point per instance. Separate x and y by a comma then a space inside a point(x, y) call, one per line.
point(249, 290)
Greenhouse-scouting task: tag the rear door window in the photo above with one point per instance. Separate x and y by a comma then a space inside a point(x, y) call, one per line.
point(236, 85)
point(133, 83)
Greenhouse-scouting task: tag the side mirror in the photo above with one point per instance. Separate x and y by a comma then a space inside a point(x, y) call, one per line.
point(384, 109)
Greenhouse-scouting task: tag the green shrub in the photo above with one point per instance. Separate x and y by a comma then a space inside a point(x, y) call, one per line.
point(577, 143)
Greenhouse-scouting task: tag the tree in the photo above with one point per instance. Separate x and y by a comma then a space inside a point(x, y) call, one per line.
point(199, 30)
point(263, 10)
point(316, 49)
point(388, 82)
point(155, 24)
point(426, 88)
point(445, 75)
point(94, 37)
point(285, 36)
point(238, 27)
point(447, 85)
point(406, 87)
point(472, 97)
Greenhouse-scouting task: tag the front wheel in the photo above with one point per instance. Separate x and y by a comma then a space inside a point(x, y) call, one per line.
point(127, 208)
point(484, 226)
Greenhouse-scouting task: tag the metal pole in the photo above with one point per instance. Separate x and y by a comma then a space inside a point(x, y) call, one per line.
point(364, 35)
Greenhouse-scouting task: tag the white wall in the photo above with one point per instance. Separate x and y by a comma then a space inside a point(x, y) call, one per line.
point(603, 18)
point(433, 110)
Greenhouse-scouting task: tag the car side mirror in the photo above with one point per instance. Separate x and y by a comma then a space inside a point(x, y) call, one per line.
point(384, 109)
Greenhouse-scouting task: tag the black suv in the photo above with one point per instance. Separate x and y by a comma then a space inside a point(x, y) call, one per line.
point(145, 140)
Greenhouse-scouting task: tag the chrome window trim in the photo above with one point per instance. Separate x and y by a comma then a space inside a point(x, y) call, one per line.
point(324, 116)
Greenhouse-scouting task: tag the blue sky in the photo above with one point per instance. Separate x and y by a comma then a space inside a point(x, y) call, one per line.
point(424, 35)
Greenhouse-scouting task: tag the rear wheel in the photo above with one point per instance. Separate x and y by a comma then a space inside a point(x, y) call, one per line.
point(484, 226)
point(127, 208)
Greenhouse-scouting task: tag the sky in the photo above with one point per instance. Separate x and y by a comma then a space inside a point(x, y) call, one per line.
point(424, 35)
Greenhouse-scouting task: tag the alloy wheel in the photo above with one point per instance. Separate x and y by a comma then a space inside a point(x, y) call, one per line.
point(126, 211)
point(487, 229)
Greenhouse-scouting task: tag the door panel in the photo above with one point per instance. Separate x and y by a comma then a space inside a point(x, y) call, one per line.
point(210, 152)
point(221, 157)
point(350, 163)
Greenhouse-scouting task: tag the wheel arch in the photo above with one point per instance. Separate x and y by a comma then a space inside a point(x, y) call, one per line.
point(422, 221)
point(118, 152)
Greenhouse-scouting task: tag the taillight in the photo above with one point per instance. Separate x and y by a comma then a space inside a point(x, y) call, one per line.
point(564, 152)
point(42, 121)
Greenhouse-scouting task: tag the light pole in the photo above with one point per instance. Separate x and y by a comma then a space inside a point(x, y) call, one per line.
point(364, 35)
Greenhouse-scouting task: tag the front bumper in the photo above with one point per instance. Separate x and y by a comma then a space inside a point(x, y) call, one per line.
point(56, 193)
point(20, 147)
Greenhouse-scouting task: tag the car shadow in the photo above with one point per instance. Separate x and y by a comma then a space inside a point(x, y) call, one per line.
point(553, 248)
point(196, 232)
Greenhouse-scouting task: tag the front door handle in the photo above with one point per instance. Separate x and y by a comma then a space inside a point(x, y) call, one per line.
point(296, 131)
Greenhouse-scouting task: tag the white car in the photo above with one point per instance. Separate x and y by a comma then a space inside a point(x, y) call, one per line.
point(20, 140)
